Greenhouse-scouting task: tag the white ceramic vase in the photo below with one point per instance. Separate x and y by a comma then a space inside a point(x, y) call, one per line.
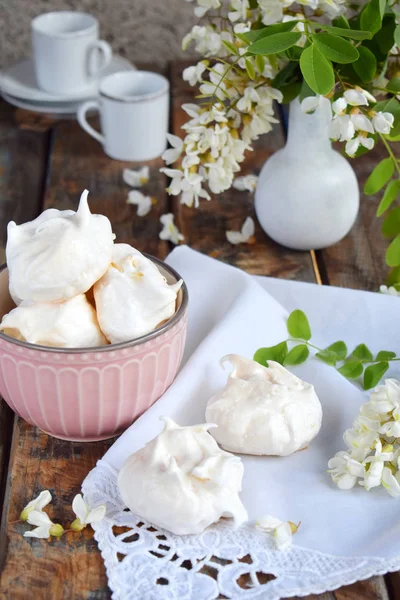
point(307, 195)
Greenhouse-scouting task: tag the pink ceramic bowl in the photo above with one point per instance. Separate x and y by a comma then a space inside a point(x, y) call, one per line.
point(89, 394)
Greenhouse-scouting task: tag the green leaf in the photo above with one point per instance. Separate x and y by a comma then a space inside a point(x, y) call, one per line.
point(335, 48)
point(391, 224)
point(394, 85)
point(394, 277)
point(341, 21)
point(354, 34)
point(260, 63)
point(317, 70)
point(385, 36)
point(258, 34)
point(327, 356)
point(285, 76)
point(385, 355)
point(250, 69)
point(294, 53)
point(290, 91)
point(351, 369)
point(362, 352)
point(277, 353)
point(391, 192)
point(230, 47)
point(305, 91)
point(393, 253)
point(339, 348)
point(297, 355)
point(373, 374)
point(298, 325)
point(371, 17)
point(366, 65)
point(397, 36)
point(274, 43)
point(379, 176)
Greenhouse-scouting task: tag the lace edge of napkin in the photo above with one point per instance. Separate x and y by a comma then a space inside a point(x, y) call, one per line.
point(149, 564)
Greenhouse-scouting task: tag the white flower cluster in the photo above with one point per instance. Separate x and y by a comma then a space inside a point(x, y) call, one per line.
point(218, 135)
point(350, 123)
point(373, 455)
point(269, 11)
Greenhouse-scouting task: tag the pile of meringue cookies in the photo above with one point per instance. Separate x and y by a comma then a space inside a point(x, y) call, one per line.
point(75, 288)
point(182, 481)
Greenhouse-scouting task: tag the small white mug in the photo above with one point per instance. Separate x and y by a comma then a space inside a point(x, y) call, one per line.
point(134, 111)
point(67, 54)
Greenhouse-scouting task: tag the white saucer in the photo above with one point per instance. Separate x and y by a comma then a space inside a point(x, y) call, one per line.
point(66, 109)
point(19, 81)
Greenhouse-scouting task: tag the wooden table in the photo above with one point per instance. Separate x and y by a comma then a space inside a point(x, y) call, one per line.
point(47, 163)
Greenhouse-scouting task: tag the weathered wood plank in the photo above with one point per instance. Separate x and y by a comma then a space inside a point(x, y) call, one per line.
point(204, 228)
point(370, 589)
point(70, 568)
point(22, 168)
point(358, 261)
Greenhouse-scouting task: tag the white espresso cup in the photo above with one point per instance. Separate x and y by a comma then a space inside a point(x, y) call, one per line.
point(67, 53)
point(134, 111)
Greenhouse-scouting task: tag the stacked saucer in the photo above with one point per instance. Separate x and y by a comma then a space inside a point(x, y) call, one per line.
point(18, 86)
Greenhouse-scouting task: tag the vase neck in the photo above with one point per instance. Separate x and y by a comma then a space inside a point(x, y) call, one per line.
point(309, 131)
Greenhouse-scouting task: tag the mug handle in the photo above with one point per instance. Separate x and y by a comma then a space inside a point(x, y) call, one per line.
point(106, 57)
point(81, 116)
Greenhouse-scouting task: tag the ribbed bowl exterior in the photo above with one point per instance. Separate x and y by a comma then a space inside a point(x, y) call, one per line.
point(91, 395)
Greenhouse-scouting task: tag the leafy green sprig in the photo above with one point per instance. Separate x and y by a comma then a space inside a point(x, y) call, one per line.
point(351, 365)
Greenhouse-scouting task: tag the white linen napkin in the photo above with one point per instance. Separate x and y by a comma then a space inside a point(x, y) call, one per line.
point(232, 312)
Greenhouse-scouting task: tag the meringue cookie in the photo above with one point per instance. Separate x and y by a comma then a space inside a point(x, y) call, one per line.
point(264, 410)
point(69, 324)
point(58, 255)
point(133, 298)
point(182, 482)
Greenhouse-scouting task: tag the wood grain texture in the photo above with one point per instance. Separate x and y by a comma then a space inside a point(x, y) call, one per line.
point(358, 261)
point(370, 589)
point(204, 228)
point(22, 167)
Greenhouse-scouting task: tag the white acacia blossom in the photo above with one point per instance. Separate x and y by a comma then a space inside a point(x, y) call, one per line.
point(246, 183)
point(389, 291)
point(44, 527)
point(143, 203)
point(373, 455)
point(170, 232)
point(84, 514)
point(136, 178)
point(281, 531)
point(352, 125)
point(245, 235)
point(37, 504)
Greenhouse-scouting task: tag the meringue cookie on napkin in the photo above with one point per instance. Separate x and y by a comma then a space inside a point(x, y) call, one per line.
point(182, 482)
point(264, 410)
point(58, 255)
point(133, 297)
point(69, 324)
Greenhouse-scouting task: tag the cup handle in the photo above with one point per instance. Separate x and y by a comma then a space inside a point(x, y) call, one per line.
point(81, 116)
point(106, 57)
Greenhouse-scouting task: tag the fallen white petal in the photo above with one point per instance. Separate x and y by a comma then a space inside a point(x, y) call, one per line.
point(144, 203)
point(136, 178)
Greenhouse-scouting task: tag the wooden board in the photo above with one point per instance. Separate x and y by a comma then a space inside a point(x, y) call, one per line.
point(358, 261)
point(22, 165)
